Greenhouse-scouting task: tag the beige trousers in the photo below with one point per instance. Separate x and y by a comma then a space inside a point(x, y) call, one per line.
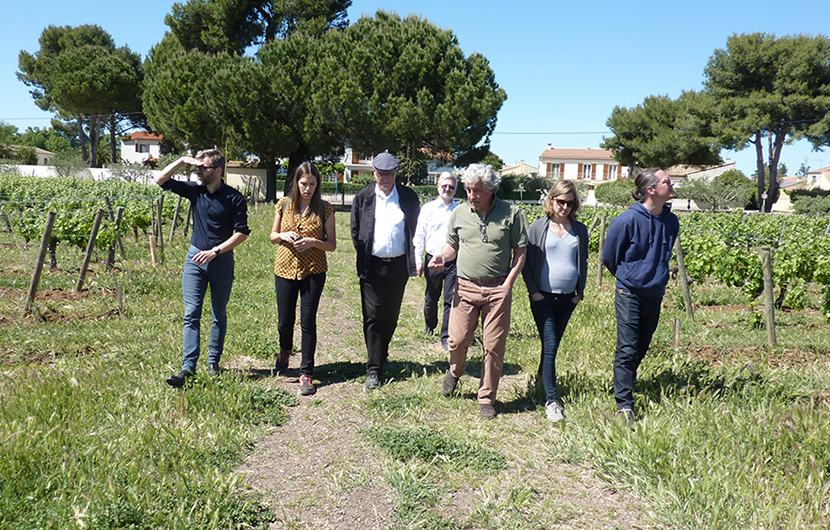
point(492, 303)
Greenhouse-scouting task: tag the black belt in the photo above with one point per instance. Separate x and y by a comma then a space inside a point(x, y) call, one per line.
point(487, 282)
point(388, 259)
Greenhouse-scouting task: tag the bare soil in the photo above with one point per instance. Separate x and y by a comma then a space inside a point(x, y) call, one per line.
point(317, 471)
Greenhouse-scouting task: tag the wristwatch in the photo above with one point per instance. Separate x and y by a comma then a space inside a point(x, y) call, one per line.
point(217, 250)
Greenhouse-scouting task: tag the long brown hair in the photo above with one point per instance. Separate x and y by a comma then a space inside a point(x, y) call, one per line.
point(316, 207)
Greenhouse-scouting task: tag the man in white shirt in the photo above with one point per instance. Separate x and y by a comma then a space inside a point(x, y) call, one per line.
point(383, 221)
point(430, 236)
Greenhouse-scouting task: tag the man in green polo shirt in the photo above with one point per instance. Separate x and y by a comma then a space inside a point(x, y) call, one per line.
point(489, 239)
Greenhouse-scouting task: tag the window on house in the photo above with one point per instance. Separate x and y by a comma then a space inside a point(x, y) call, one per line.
point(587, 171)
point(142, 148)
point(609, 172)
point(555, 171)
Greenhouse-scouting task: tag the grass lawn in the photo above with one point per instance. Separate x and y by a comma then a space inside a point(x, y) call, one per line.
point(733, 434)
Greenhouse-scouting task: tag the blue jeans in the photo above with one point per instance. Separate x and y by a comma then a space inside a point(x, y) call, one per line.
point(218, 274)
point(637, 318)
point(309, 290)
point(551, 314)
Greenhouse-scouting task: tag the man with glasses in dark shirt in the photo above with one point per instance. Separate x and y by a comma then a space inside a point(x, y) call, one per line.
point(489, 238)
point(220, 223)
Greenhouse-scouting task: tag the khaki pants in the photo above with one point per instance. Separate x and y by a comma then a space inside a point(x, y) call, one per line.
point(492, 302)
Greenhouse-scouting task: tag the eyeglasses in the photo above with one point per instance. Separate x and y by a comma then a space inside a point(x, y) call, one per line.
point(482, 228)
point(447, 187)
point(202, 168)
point(564, 203)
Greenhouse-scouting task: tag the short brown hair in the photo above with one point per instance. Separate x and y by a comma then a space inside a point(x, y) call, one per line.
point(215, 156)
point(562, 187)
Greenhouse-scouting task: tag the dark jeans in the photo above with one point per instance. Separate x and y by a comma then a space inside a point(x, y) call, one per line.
point(381, 295)
point(309, 290)
point(637, 318)
point(218, 275)
point(436, 282)
point(551, 314)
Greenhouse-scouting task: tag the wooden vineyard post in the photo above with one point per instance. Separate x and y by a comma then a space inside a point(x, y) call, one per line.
point(89, 248)
point(175, 218)
point(769, 295)
point(684, 279)
point(119, 214)
point(601, 244)
point(160, 237)
point(44, 247)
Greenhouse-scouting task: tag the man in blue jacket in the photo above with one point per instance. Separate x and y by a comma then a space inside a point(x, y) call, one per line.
point(637, 252)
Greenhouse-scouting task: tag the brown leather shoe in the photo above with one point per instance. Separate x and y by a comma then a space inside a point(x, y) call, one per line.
point(449, 384)
point(487, 412)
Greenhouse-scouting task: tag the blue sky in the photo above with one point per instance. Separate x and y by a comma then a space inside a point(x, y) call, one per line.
point(564, 65)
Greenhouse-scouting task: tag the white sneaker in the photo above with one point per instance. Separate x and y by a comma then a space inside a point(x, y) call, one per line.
point(554, 412)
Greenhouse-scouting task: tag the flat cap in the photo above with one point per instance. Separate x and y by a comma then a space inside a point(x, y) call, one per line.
point(385, 162)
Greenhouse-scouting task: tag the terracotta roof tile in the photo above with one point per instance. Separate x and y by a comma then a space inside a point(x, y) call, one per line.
point(143, 135)
point(581, 154)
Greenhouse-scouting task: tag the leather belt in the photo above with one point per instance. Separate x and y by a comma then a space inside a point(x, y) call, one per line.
point(500, 279)
point(388, 259)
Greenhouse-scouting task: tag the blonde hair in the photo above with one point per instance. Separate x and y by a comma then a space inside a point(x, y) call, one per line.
point(562, 187)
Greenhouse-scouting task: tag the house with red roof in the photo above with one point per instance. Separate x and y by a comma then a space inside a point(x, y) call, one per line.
point(141, 147)
point(591, 166)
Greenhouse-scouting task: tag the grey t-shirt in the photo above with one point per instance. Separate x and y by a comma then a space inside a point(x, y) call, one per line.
point(560, 272)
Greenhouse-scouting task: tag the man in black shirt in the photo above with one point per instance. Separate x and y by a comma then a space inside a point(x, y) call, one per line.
point(220, 223)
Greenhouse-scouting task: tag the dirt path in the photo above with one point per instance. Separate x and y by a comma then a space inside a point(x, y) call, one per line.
point(318, 472)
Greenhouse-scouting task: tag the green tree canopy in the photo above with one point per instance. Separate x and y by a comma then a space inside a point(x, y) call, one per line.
point(215, 26)
point(383, 83)
point(493, 160)
point(616, 192)
point(767, 90)
point(78, 72)
point(730, 189)
point(660, 132)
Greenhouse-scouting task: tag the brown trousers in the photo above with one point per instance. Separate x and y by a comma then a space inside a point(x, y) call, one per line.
point(492, 303)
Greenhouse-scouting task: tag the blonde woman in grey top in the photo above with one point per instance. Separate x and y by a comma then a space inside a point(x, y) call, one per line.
point(555, 272)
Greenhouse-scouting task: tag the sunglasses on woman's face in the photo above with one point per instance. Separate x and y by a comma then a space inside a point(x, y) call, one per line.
point(563, 203)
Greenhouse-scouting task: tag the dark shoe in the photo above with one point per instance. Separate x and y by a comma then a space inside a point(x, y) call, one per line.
point(428, 332)
point(445, 344)
point(179, 380)
point(306, 385)
point(627, 417)
point(487, 412)
point(282, 361)
point(372, 381)
point(448, 386)
point(213, 369)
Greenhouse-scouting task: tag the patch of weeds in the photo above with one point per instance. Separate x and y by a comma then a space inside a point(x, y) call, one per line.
point(396, 405)
point(409, 444)
point(267, 406)
point(417, 499)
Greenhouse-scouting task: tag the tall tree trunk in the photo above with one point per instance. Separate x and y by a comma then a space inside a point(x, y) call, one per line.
point(775, 146)
point(113, 124)
point(94, 139)
point(270, 179)
point(761, 170)
point(82, 138)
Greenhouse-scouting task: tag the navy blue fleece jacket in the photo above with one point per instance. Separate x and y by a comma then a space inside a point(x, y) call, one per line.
point(638, 247)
